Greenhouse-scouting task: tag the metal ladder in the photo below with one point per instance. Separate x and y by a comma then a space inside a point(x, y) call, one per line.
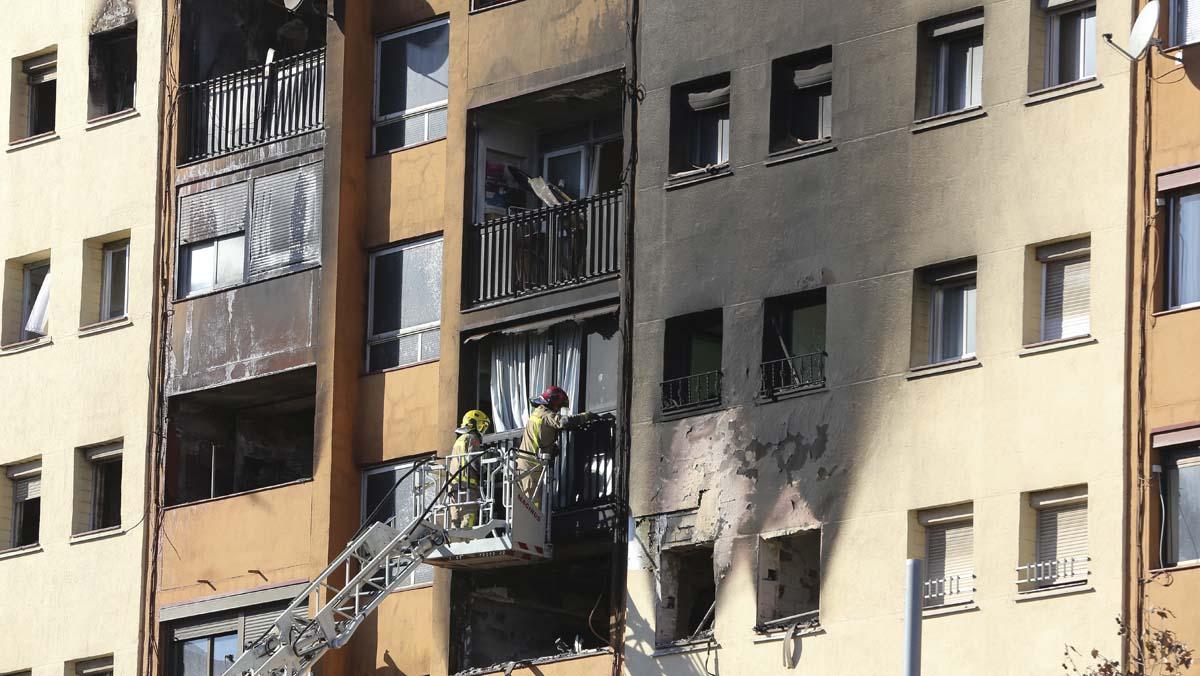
point(357, 581)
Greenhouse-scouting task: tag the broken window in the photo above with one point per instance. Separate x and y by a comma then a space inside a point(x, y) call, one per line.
point(700, 125)
point(789, 579)
point(793, 346)
point(35, 95)
point(114, 287)
point(412, 85)
point(405, 305)
point(25, 484)
point(35, 300)
point(241, 437)
point(112, 71)
point(801, 99)
point(692, 361)
point(687, 594)
point(389, 495)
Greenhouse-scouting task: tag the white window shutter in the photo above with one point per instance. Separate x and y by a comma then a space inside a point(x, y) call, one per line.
point(950, 552)
point(27, 489)
point(1062, 532)
point(1067, 299)
point(1187, 21)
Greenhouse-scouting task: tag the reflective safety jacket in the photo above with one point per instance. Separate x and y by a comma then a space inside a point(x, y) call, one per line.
point(466, 443)
point(543, 428)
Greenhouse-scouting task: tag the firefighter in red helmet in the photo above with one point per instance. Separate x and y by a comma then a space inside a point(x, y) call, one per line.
point(546, 423)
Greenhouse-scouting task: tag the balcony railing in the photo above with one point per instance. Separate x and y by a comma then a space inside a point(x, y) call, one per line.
point(253, 106)
point(949, 590)
point(801, 372)
point(694, 391)
point(583, 471)
point(546, 248)
point(1050, 573)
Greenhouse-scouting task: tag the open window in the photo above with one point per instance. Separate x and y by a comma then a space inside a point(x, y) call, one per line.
point(789, 580)
point(687, 594)
point(23, 513)
point(692, 361)
point(700, 125)
point(112, 71)
point(98, 471)
point(793, 343)
point(412, 85)
point(951, 68)
point(34, 96)
point(801, 99)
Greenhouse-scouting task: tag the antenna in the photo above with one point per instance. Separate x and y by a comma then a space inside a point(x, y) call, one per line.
point(1141, 36)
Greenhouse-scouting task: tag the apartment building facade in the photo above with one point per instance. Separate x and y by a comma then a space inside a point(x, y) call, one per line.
point(878, 316)
point(78, 215)
point(1163, 329)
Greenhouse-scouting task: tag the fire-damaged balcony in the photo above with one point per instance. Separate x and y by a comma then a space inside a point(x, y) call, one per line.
point(253, 74)
point(548, 210)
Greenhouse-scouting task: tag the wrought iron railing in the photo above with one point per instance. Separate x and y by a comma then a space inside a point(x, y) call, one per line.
point(948, 590)
point(1048, 573)
point(252, 106)
point(545, 248)
point(694, 391)
point(583, 471)
point(794, 373)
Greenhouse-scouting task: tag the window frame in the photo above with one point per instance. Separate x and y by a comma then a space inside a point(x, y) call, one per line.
point(1084, 253)
point(810, 618)
point(395, 468)
point(177, 651)
point(1175, 202)
point(1190, 455)
point(696, 122)
point(383, 120)
point(109, 251)
point(937, 318)
point(945, 524)
point(107, 42)
point(99, 467)
point(28, 299)
point(185, 265)
point(1039, 512)
point(1053, 67)
point(18, 515)
point(940, 104)
point(1178, 32)
point(38, 71)
point(373, 339)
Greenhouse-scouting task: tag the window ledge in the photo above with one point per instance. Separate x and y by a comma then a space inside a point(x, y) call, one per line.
point(1062, 91)
point(402, 367)
point(202, 501)
point(947, 119)
point(491, 7)
point(264, 277)
point(414, 146)
point(949, 609)
point(111, 118)
point(686, 646)
point(29, 142)
point(1056, 345)
point(688, 412)
point(98, 534)
point(801, 151)
point(687, 178)
point(25, 345)
point(943, 367)
point(792, 394)
point(1176, 310)
point(20, 551)
point(1186, 565)
point(1052, 592)
point(105, 326)
point(775, 634)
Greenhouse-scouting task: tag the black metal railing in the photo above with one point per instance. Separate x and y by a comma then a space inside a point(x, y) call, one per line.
point(794, 373)
point(253, 106)
point(694, 391)
point(546, 248)
point(583, 475)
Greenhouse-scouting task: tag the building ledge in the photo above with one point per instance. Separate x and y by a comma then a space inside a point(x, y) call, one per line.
point(105, 326)
point(20, 551)
point(781, 633)
point(1176, 310)
point(941, 367)
point(203, 501)
point(29, 142)
point(791, 394)
point(947, 119)
point(949, 609)
point(1055, 345)
point(1053, 592)
point(111, 118)
point(801, 151)
point(686, 178)
point(99, 534)
point(1062, 91)
point(686, 646)
point(25, 345)
point(509, 667)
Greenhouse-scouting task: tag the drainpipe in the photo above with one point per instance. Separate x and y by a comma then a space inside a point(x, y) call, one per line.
point(912, 619)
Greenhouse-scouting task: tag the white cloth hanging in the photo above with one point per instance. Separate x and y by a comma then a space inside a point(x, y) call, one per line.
point(39, 314)
point(510, 398)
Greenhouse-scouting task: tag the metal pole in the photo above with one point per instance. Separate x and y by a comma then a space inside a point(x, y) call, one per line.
point(912, 619)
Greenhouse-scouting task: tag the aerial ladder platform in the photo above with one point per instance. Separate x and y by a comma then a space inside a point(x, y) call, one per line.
point(484, 509)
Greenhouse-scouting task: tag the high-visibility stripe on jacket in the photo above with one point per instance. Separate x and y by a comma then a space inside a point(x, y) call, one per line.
point(464, 444)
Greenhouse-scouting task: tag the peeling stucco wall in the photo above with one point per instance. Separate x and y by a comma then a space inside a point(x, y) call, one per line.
point(113, 14)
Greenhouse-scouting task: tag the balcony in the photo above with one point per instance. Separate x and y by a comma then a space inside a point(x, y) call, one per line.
point(792, 374)
point(252, 107)
point(692, 392)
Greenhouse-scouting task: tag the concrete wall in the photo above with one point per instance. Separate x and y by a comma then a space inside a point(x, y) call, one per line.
point(78, 387)
point(884, 198)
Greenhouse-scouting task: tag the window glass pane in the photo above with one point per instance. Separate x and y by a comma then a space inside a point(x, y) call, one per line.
point(35, 279)
point(413, 70)
point(192, 658)
point(378, 484)
point(950, 323)
point(385, 303)
point(1183, 514)
point(437, 124)
point(969, 319)
point(566, 172)
point(709, 137)
point(29, 520)
point(1087, 28)
point(421, 296)
point(108, 492)
point(431, 344)
point(224, 652)
point(1069, 46)
point(600, 385)
point(201, 267)
point(809, 111)
point(117, 262)
point(383, 356)
point(42, 103)
point(1185, 252)
point(231, 258)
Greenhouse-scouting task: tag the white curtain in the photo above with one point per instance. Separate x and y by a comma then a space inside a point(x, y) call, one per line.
point(510, 398)
point(567, 340)
point(39, 314)
point(541, 362)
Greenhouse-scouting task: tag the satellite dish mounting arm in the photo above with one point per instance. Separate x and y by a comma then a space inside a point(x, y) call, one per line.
point(1156, 43)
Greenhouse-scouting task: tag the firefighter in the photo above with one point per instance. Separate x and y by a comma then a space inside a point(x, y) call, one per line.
point(546, 423)
point(466, 455)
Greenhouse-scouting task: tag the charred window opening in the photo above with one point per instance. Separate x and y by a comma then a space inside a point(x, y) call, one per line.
point(227, 36)
point(793, 346)
point(801, 99)
point(789, 579)
point(700, 125)
point(529, 612)
point(692, 361)
point(687, 594)
point(241, 437)
point(113, 71)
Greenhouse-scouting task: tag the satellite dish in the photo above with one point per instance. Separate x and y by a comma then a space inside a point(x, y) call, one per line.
point(1143, 29)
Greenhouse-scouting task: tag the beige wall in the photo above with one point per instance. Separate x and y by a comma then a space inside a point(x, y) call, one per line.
point(78, 388)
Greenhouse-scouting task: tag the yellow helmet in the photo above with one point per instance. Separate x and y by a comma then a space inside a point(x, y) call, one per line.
point(476, 420)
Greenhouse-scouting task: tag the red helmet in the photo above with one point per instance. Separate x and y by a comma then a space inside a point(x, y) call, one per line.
point(554, 398)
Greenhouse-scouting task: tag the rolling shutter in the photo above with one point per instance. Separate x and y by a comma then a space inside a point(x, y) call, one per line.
point(209, 626)
point(27, 489)
point(212, 213)
point(1186, 21)
point(1068, 298)
point(1062, 532)
point(258, 622)
point(285, 225)
point(949, 552)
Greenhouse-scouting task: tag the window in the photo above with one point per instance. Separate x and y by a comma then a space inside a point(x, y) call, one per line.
point(1060, 552)
point(1070, 41)
point(112, 71)
point(944, 313)
point(35, 96)
point(25, 483)
point(801, 99)
point(114, 287)
point(98, 488)
point(1181, 515)
point(483, 4)
point(954, 53)
point(1183, 251)
point(789, 579)
point(213, 264)
point(405, 305)
point(1185, 22)
point(700, 125)
point(97, 666)
point(35, 301)
point(949, 555)
point(396, 506)
point(692, 361)
point(206, 655)
point(793, 343)
point(412, 85)
point(208, 644)
point(687, 594)
point(1066, 289)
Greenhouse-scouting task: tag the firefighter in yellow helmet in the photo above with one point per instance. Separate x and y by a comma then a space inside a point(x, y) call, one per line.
point(464, 485)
